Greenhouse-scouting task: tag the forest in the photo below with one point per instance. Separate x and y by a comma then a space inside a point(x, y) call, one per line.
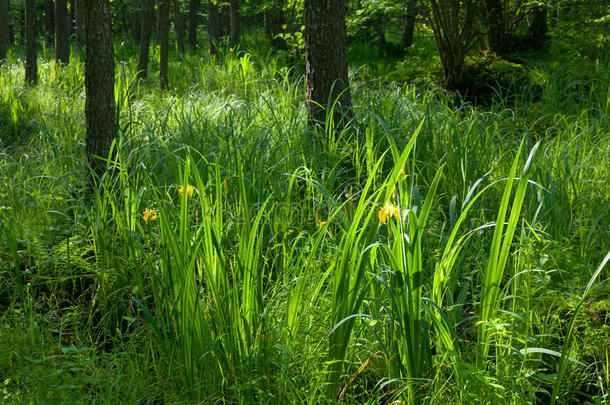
point(304, 201)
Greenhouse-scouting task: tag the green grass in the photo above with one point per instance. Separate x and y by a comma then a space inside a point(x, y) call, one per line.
point(276, 281)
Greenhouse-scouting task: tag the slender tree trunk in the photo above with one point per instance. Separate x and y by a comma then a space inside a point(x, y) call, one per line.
point(164, 42)
point(224, 21)
point(274, 21)
point(49, 21)
point(4, 18)
point(11, 27)
point(409, 28)
point(377, 25)
point(325, 58)
point(72, 19)
point(147, 23)
point(136, 23)
point(452, 22)
point(179, 25)
point(22, 25)
point(31, 56)
point(213, 28)
point(538, 29)
point(99, 84)
point(234, 23)
point(62, 33)
point(496, 26)
point(193, 19)
point(80, 21)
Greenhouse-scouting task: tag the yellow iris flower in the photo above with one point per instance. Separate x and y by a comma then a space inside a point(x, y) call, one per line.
point(149, 215)
point(190, 190)
point(319, 223)
point(388, 211)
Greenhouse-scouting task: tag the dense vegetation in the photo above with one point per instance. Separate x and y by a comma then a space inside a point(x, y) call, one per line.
point(442, 245)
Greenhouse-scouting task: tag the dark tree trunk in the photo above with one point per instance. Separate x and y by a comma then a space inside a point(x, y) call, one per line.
point(3, 29)
point(538, 29)
point(164, 42)
point(179, 25)
point(409, 28)
point(72, 19)
point(80, 21)
point(49, 21)
point(325, 58)
point(234, 23)
point(31, 56)
point(62, 33)
point(193, 19)
point(213, 28)
point(452, 22)
point(147, 23)
point(377, 25)
point(22, 25)
point(99, 84)
point(136, 24)
point(496, 26)
point(11, 27)
point(274, 21)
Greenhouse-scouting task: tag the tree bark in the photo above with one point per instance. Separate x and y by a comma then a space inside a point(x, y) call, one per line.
point(31, 55)
point(274, 21)
point(135, 18)
point(193, 19)
point(49, 21)
point(496, 26)
point(72, 19)
point(179, 25)
point(11, 27)
point(452, 23)
point(164, 42)
point(538, 30)
point(62, 33)
point(213, 28)
point(80, 22)
point(409, 28)
point(4, 19)
point(234, 23)
point(325, 59)
point(99, 84)
point(147, 23)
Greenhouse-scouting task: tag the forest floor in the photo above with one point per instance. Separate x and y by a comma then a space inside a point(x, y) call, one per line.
point(234, 250)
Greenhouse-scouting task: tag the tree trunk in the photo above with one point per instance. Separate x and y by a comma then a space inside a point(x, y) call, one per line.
point(452, 24)
point(164, 42)
point(11, 27)
point(62, 33)
point(377, 25)
point(274, 21)
point(135, 17)
point(179, 25)
point(99, 84)
point(409, 28)
point(4, 18)
point(31, 56)
point(325, 59)
point(80, 22)
point(193, 19)
point(147, 23)
point(538, 29)
point(72, 19)
point(234, 23)
point(22, 25)
point(49, 21)
point(213, 28)
point(496, 26)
